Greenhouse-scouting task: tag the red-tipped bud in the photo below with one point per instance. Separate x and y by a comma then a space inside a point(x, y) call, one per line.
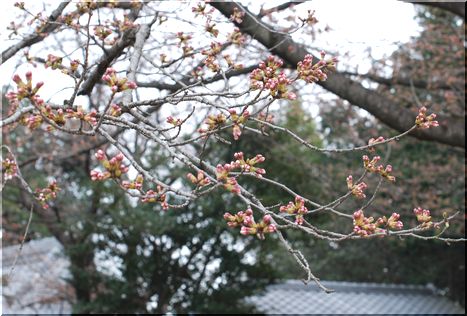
point(100, 155)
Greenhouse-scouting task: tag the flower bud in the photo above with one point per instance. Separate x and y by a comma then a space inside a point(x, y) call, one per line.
point(119, 157)
point(100, 155)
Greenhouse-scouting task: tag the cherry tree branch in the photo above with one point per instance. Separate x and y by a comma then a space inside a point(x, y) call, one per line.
point(396, 116)
point(36, 37)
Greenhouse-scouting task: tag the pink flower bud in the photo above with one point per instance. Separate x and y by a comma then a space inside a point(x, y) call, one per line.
point(238, 155)
point(119, 157)
point(131, 85)
point(358, 214)
point(124, 169)
point(245, 230)
point(110, 71)
point(94, 175)
point(17, 78)
point(100, 155)
point(267, 219)
point(259, 158)
point(29, 76)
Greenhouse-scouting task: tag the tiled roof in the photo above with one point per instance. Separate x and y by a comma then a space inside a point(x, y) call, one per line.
point(293, 297)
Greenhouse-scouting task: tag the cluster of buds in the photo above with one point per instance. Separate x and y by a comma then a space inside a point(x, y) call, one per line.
point(424, 121)
point(231, 63)
point(374, 141)
point(184, 40)
point(19, 5)
point(187, 50)
point(310, 19)
point(222, 174)
point(9, 168)
point(102, 32)
point(53, 62)
point(85, 6)
point(152, 196)
point(137, 184)
point(200, 180)
point(72, 69)
point(237, 219)
point(213, 122)
point(44, 195)
point(366, 226)
point(113, 167)
point(248, 224)
point(211, 54)
point(392, 223)
point(296, 208)
point(197, 72)
point(24, 91)
point(423, 217)
point(58, 116)
point(317, 72)
point(174, 121)
point(216, 48)
point(237, 120)
point(32, 121)
point(115, 110)
point(248, 165)
point(117, 84)
point(212, 64)
point(69, 19)
point(267, 77)
point(211, 28)
point(357, 189)
point(236, 37)
point(80, 114)
point(200, 9)
point(124, 25)
point(380, 169)
point(237, 16)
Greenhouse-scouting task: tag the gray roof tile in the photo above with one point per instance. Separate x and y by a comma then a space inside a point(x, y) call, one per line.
point(293, 297)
